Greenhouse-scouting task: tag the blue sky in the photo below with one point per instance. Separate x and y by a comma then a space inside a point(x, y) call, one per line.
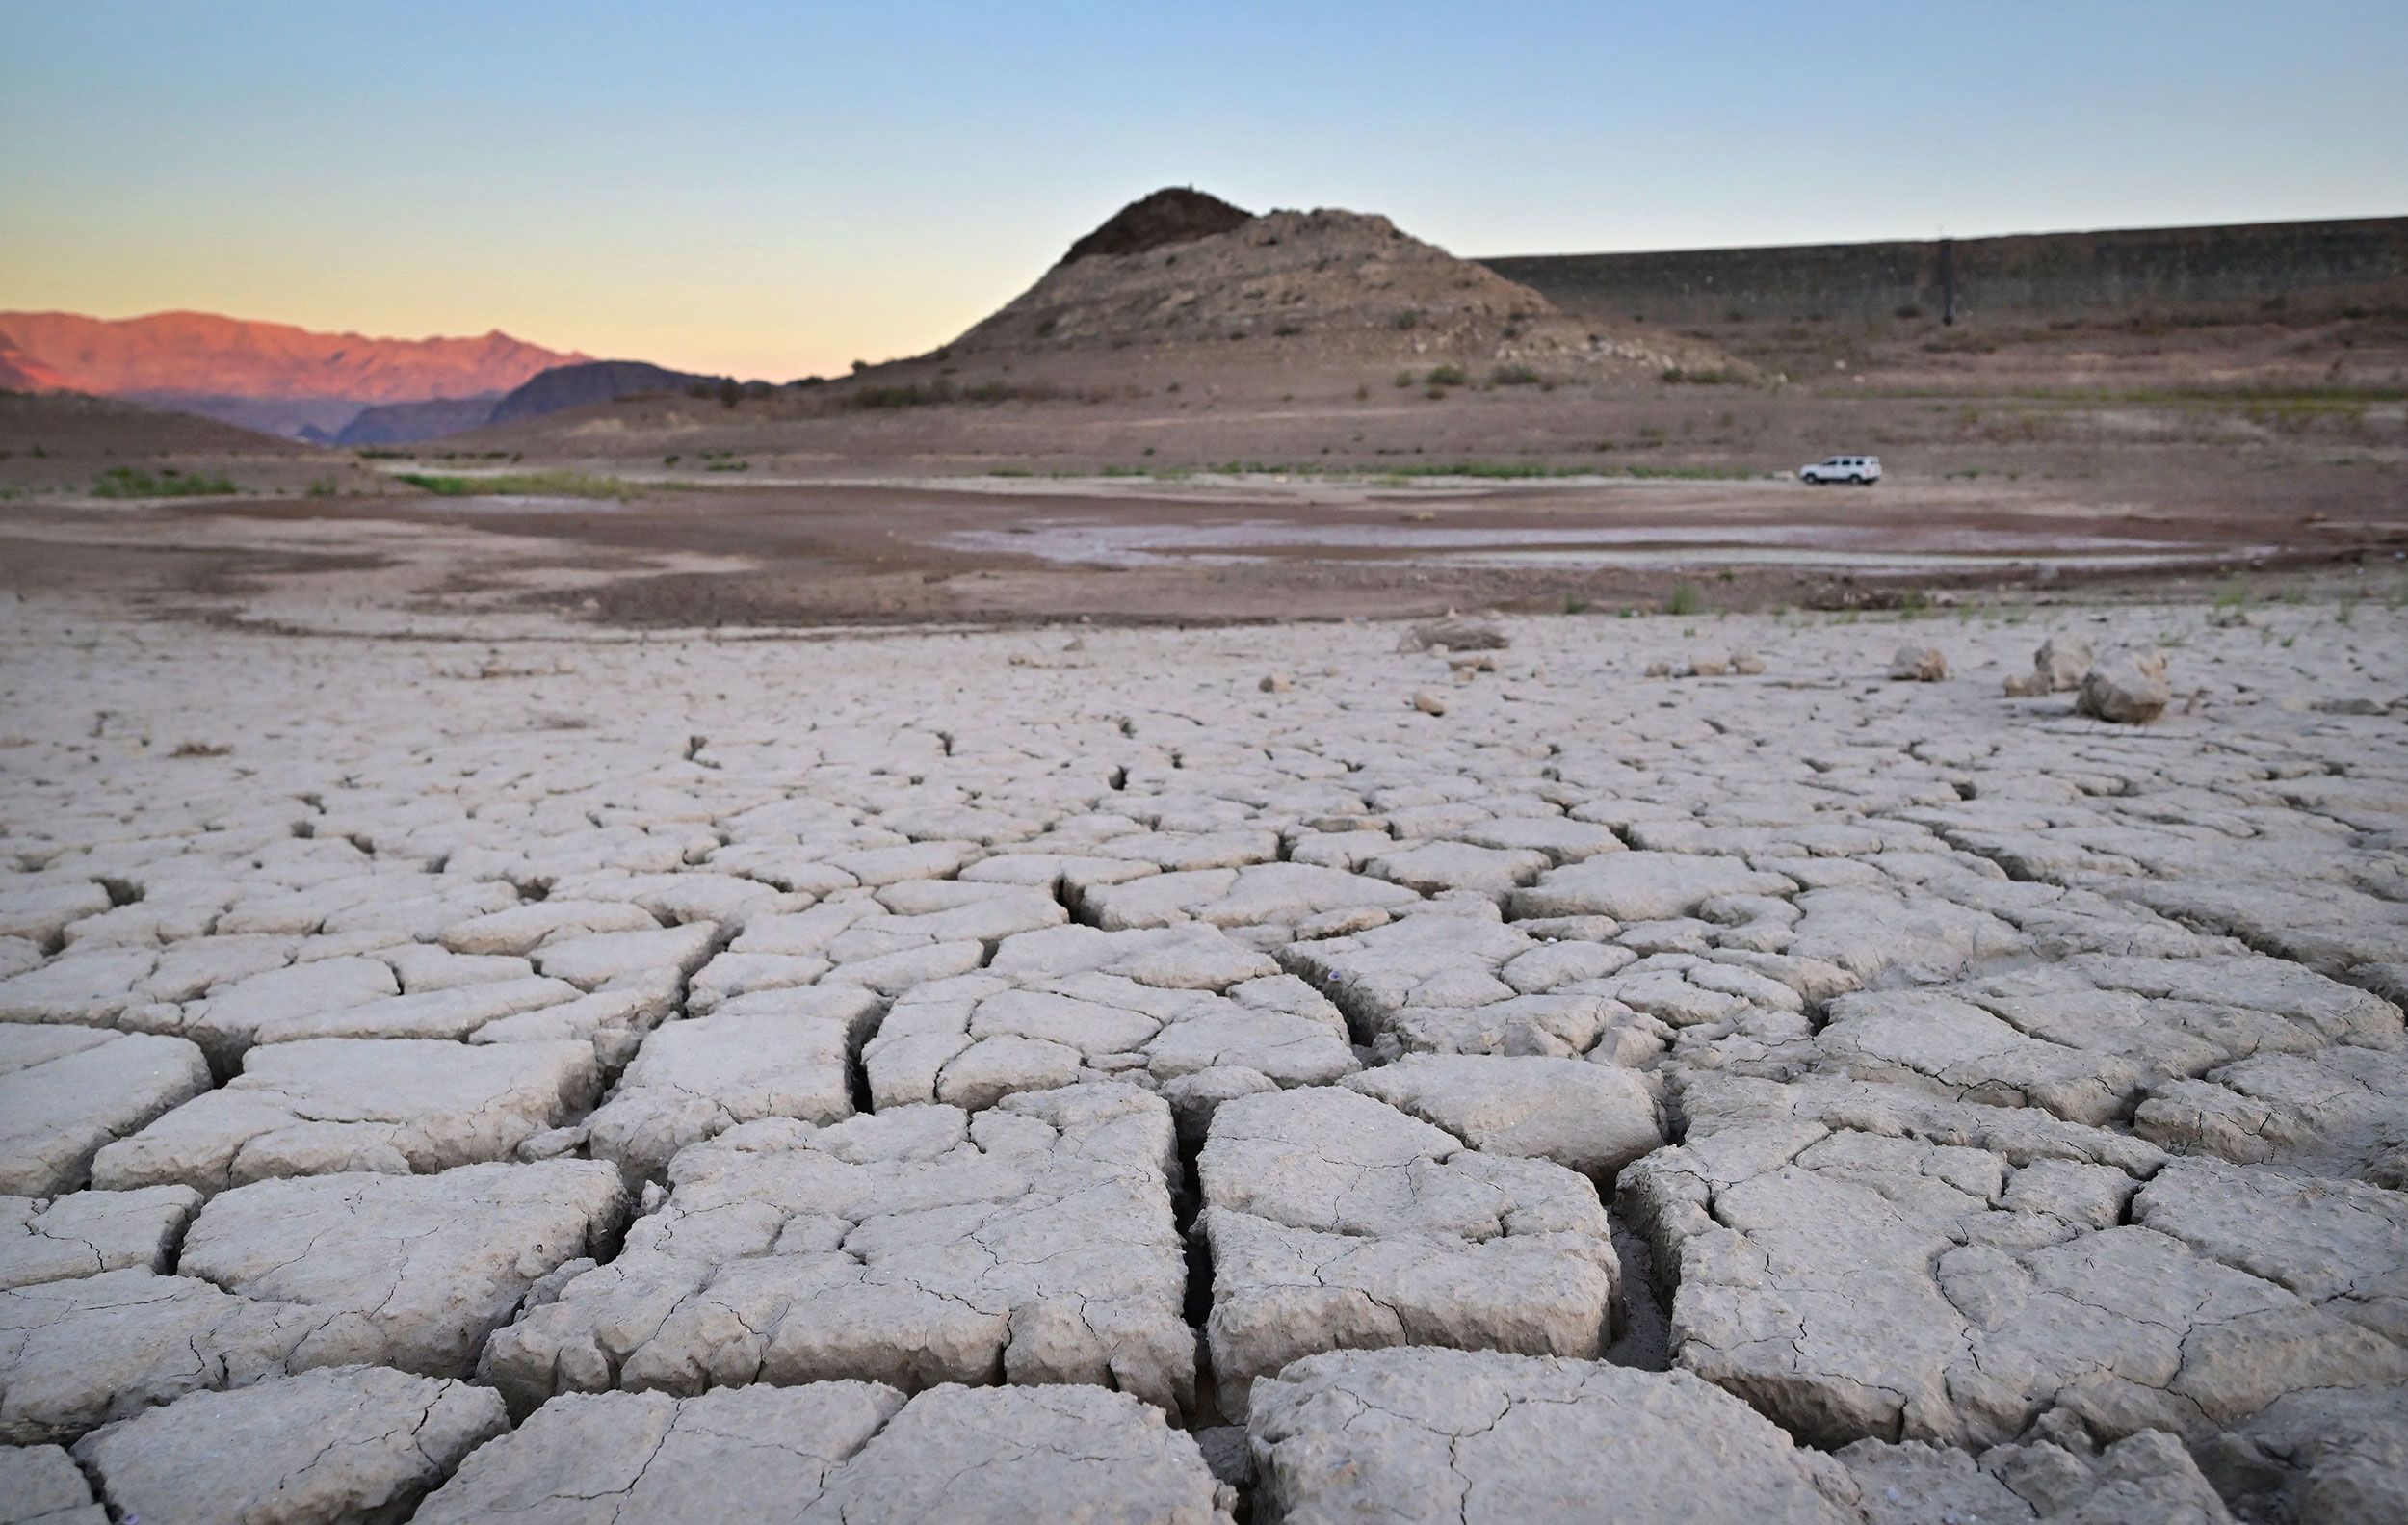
point(779, 189)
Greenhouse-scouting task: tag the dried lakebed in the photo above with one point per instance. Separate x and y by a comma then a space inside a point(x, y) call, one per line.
point(1162, 1076)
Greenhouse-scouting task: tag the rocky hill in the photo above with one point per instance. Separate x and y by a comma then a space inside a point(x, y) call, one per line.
point(592, 382)
point(1323, 289)
point(406, 423)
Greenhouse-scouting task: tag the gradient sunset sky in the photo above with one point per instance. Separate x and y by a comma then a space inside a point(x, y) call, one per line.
point(777, 189)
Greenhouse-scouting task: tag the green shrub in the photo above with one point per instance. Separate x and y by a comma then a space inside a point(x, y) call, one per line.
point(523, 484)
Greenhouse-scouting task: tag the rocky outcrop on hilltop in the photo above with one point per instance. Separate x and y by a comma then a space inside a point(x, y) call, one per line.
point(1175, 214)
point(1325, 288)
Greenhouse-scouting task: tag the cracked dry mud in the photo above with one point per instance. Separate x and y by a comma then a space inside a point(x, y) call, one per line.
point(1005, 1076)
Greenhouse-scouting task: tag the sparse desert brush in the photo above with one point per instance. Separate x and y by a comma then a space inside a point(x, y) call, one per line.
point(1410, 318)
point(1685, 599)
point(1513, 376)
point(126, 481)
point(1448, 375)
point(939, 392)
point(1405, 378)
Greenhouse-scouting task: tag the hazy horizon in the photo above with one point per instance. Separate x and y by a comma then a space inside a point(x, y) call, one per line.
point(776, 194)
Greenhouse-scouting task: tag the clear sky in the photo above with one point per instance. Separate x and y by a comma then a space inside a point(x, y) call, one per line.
point(779, 188)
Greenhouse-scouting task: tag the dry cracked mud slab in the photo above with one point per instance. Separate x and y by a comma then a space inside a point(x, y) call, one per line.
point(76, 1354)
point(1480, 1438)
point(1260, 903)
point(411, 1271)
point(1183, 1009)
point(457, 1012)
point(2339, 1111)
point(1033, 1242)
point(1337, 1221)
point(328, 1105)
point(66, 1092)
point(1858, 1269)
point(1464, 983)
point(2084, 1037)
point(2333, 1457)
point(1586, 1117)
point(350, 1444)
point(773, 1053)
point(2144, 1479)
point(886, 939)
point(1643, 886)
point(847, 1453)
point(87, 1232)
point(283, 1276)
point(42, 1486)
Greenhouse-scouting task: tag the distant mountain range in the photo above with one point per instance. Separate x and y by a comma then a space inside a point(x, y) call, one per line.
point(271, 377)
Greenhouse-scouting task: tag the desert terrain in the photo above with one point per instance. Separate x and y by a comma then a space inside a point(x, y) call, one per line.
point(1210, 906)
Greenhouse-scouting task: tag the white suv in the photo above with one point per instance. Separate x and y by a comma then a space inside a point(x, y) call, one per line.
point(1863, 471)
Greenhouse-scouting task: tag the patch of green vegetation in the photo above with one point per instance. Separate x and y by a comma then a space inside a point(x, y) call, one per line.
point(324, 487)
point(1513, 376)
point(1575, 606)
point(2234, 595)
point(728, 466)
point(523, 484)
point(1685, 599)
point(1448, 375)
point(128, 481)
